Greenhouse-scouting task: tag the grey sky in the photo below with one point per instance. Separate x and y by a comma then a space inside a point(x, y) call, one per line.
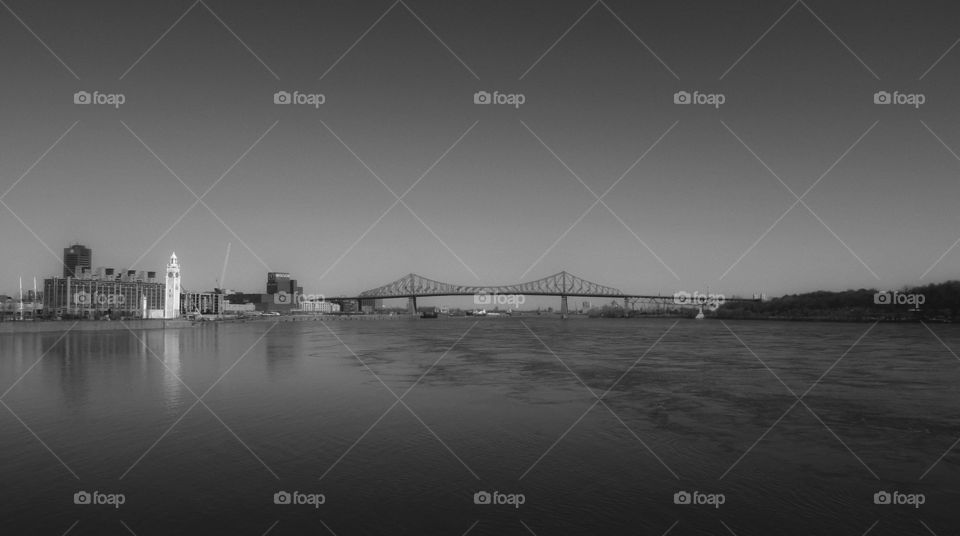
point(492, 208)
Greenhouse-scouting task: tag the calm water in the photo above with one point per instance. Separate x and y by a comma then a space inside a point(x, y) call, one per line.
point(285, 405)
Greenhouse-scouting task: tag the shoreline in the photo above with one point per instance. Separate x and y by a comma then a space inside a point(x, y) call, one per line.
point(54, 326)
point(59, 326)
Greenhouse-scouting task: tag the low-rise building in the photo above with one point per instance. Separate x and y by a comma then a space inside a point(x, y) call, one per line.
point(371, 305)
point(204, 303)
point(319, 306)
point(238, 308)
point(264, 303)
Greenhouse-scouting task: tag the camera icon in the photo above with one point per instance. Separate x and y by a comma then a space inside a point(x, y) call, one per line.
point(81, 497)
point(81, 97)
point(882, 298)
point(681, 97)
point(481, 497)
point(482, 97)
point(282, 497)
point(881, 497)
point(881, 97)
point(282, 298)
point(682, 298)
point(82, 298)
point(281, 97)
point(482, 298)
point(681, 497)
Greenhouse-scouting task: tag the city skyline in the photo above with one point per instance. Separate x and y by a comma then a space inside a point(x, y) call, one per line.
point(486, 268)
point(500, 193)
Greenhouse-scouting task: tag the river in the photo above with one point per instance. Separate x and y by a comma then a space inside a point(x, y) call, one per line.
point(583, 426)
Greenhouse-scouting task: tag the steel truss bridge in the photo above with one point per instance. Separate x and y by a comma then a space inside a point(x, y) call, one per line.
point(562, 284)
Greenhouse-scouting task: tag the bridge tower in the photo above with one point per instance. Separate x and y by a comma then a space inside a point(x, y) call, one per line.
point(412, 305)
point(563, 297)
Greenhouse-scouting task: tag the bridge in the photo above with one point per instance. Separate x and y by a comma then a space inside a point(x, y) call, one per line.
point(562, 284)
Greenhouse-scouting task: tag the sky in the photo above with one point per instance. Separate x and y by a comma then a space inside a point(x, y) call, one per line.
point(692, 196)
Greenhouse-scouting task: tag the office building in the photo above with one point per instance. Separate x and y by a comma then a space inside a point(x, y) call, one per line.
point(75, 258)
point(280, 282)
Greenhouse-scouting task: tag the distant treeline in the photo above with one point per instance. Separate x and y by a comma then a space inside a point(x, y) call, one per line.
point(938, 302)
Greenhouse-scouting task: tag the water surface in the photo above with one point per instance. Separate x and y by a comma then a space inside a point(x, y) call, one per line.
point(508, 405)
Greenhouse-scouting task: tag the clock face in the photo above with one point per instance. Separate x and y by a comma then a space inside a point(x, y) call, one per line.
point(169, 274)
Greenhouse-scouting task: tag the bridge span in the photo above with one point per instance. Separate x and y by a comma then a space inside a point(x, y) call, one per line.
point(562, 284)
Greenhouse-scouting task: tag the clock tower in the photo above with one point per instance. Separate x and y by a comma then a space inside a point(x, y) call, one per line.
point(171, 304)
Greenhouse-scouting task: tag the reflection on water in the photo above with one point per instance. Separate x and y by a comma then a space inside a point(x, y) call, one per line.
point(171, 361)
point(294, 401)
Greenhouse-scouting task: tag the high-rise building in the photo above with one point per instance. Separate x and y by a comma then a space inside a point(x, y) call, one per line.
point(171, 307)
point(75, 258)
point(278, 282)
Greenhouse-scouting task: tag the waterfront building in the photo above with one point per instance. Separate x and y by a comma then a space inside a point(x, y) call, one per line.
point(94, 298)
point(106, 292)
point(281, 302)
point(371, 305)
point(319, 306)
point(13, 309)
point(237, 308)
point(172, 303)
point(205, 303)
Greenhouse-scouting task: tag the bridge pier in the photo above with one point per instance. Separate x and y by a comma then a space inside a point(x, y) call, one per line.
point(412, 305)
point(563, 306)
